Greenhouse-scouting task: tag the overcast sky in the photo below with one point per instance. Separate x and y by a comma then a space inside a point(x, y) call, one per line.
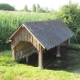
point(55, 4)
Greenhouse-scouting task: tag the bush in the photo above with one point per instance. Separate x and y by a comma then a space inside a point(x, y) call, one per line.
point(6, 7)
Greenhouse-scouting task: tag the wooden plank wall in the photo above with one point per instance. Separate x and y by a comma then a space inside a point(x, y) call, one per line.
point(23, 42)
point(22, 45)
point(24, 35)
point(65, 43)
point(35, 43)
point(23, 49)
point(21, 35)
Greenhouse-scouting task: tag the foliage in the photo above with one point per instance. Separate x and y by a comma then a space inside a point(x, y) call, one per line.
point(70, 14)
point(25, 8)
point(6, 7)
point(11, 70)
point(39, 9)
point(34, 8)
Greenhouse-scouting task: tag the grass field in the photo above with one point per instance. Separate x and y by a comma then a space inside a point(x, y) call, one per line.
point(11, 70)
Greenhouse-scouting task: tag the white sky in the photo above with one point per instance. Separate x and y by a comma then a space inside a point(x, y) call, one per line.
point(55, 4)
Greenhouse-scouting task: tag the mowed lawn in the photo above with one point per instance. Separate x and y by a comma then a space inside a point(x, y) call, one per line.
point(11, 70)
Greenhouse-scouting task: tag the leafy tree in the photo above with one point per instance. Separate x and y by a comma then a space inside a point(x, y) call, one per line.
point(46, 9)
point(25, 8)
point(38, 9)
point(70, 14)
point(34, 8)
point(6, 7)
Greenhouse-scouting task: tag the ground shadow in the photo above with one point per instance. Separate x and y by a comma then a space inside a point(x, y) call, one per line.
point(48, 55)
point(61, 63)
point(68, 61)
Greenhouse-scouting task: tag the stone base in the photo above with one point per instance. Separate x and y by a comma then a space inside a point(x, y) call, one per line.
point(40, 67)
point(58, 55)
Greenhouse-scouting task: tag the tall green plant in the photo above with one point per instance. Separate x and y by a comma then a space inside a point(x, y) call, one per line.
point(70, 14)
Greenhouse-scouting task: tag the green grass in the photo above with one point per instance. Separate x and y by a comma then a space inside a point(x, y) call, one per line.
point(75, 46)
point(11, 70)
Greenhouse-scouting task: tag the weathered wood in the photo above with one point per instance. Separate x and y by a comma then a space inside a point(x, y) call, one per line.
point(27, 59)
point(58, 51)
point(40, 58)
point(22, 45)
point(40, 61)
point(21, 35)
point(25, 52)
point(13, 54)
point(26, 44)
point(14, 34)
point(65, 43)
point(34, 37)
point(8, 41)
point(68, 42)
point(35, 42)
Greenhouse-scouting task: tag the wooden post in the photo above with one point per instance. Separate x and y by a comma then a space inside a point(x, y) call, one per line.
point(40, 60)
point(27, 59)
point(13, 54)
point(68, 41)
point(58, 51)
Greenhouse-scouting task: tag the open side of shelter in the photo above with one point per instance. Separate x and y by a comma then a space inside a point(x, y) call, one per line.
point(37, 36)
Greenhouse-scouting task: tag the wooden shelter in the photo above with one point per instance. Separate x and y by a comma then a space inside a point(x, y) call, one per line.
point(37, 36)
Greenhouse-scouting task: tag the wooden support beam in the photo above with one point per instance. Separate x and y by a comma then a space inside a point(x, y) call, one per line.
point(58, 51)
point(27, 59)
point(13, 54)
point(40, 60)
point(68, 41)
point(40, 57)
